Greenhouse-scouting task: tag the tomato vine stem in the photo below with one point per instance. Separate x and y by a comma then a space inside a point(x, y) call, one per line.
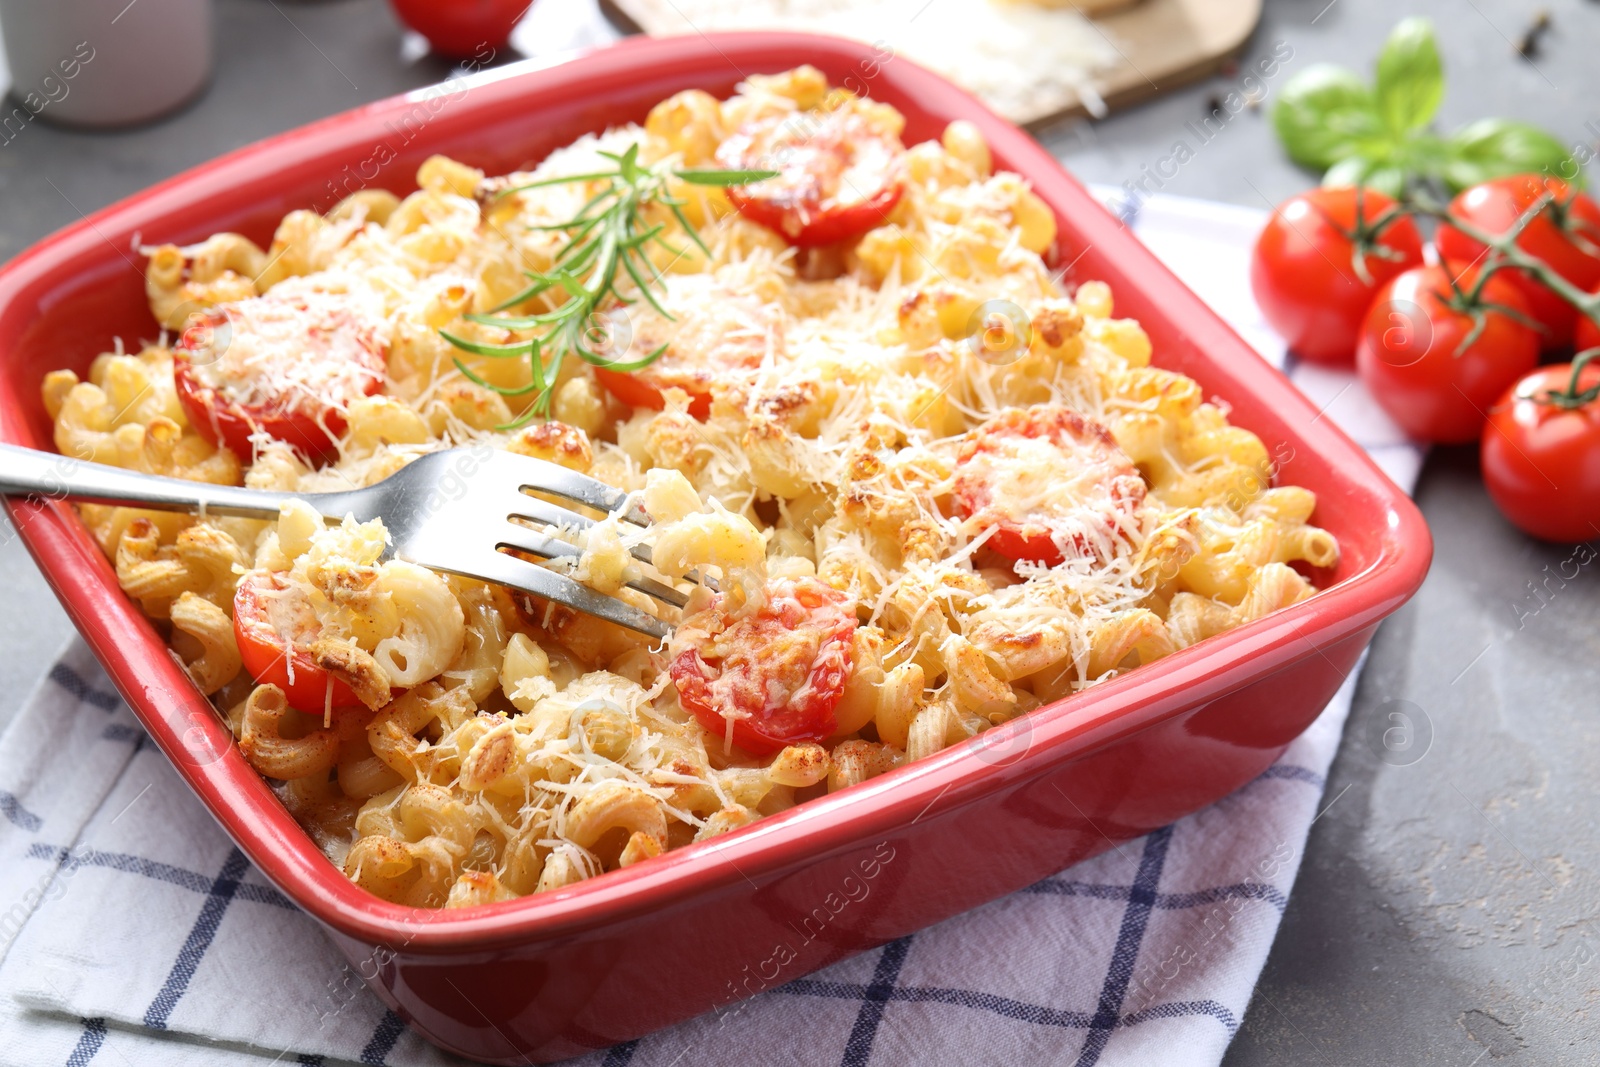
point(1365, 236)
point(1502, 252)
point(1571, 398)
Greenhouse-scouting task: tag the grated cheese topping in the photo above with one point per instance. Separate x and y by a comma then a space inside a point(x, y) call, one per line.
point(289, 352)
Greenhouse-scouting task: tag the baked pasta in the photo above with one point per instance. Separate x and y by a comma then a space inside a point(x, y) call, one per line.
point(936, 489)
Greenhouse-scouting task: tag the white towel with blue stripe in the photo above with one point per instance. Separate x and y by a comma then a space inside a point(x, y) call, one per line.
point(133, 932)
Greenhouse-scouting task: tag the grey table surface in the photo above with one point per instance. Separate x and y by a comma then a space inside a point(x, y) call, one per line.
point(1446, 910)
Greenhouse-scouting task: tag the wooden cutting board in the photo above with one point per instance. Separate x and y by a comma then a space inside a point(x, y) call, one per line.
point(1163, 44)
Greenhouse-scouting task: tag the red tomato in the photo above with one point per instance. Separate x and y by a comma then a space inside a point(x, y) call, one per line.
point(463, 29)
point(1411, 355)
point(641, 389)
point(1566, 236)
point(1303, 270)
point(275, 633)
point(776, 674)
point(719, 337)
point(287, 366)
point(837, 176)
point(1541, 459)
point(1048, 481)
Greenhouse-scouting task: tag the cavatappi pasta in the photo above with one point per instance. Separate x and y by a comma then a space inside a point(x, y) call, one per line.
point(937, 489)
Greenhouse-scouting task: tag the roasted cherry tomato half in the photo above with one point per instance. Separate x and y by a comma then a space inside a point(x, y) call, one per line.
point(838, 177)
point(1541, 454)
point(721, 336)
point(1050, 483)
point(276, 630)
point(1565, 235)
point(1304, 270)
point(463, 29)
point(776, 674)
point(641, 389)
point(1419, 358)
point(288, 366)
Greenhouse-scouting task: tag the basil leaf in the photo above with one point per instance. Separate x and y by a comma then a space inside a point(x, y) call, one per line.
point(1410, 77)
point(1356, 170)
point(1325, 114)
point(1422, 155)
point(1352, 170)
point(1494, 148)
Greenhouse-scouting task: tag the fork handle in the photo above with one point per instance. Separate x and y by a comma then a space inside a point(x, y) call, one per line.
point(27, 472)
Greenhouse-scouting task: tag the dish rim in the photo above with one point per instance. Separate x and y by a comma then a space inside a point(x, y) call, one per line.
point(184, 725)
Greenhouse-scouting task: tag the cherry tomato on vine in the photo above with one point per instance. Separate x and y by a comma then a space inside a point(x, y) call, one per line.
point(1318, 262)
point(838, 176)
point(773, 677)
point(1435, 357)
point(463, 29)
point(1541, 453)
point(1565, 235)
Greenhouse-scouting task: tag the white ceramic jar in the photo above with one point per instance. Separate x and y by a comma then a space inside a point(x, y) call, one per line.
point(103, 62)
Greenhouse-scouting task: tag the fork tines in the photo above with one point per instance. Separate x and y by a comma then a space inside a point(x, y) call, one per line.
point(509, 494)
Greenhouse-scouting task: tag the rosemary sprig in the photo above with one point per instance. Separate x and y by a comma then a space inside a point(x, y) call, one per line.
point(606, 239)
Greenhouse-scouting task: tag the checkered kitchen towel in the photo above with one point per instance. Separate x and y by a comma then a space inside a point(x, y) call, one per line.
point(132, 932)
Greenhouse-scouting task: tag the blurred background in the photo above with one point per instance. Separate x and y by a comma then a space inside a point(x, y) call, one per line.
point(1427, 926)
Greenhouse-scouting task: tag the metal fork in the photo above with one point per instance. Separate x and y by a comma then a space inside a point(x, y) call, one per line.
point(450, 511)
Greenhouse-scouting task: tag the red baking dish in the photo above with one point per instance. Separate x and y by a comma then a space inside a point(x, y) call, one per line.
point(551, 976)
